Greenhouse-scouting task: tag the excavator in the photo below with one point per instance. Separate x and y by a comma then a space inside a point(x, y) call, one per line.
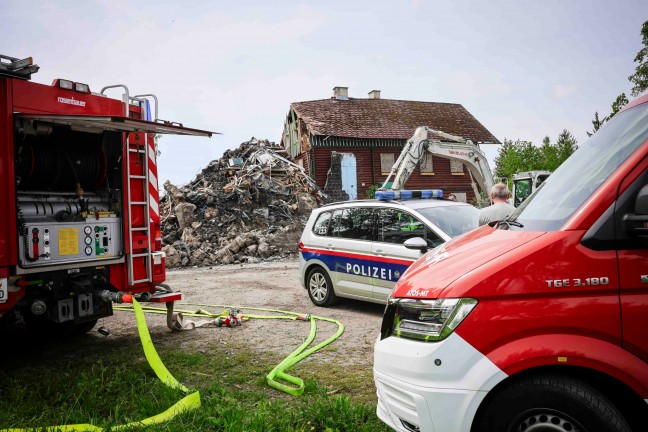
point(447, 146)
point(460, 149)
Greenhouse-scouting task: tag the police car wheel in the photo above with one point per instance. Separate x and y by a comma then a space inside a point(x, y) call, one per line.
point(550, 403)
point(320, 288)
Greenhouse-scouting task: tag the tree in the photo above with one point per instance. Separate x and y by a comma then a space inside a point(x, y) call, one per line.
point(639, 79)
point(549, 153)
point(618, 104)
point(596, 123)
point(518, 156)
point(509, 158)
point(531, 156)
point(565, 146)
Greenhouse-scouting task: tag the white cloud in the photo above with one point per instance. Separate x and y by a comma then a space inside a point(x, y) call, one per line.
point(561, 91)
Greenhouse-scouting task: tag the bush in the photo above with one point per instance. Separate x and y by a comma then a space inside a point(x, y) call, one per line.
point(371, 192)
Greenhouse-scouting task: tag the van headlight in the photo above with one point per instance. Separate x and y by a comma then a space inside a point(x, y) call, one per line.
point(425, 320)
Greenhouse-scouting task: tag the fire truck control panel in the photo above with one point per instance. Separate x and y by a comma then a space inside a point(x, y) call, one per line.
point(70, 242)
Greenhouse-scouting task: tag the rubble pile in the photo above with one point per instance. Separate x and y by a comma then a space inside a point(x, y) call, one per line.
point(249, 205)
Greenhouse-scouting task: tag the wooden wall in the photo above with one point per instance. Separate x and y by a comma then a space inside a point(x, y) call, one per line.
point(369, 173)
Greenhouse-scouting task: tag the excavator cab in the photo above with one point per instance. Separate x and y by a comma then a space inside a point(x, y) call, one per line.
point(524, 184)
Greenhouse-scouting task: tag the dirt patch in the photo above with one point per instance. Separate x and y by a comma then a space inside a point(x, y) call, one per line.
point(273, 285)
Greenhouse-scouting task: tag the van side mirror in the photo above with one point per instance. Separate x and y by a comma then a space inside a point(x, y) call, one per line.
point(416, 243)
point(637, 223)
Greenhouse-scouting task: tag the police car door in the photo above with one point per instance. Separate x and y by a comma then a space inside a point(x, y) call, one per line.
point(352, 236)
point(391, 258)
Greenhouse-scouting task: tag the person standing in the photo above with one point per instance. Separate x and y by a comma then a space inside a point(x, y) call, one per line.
point(500, 208)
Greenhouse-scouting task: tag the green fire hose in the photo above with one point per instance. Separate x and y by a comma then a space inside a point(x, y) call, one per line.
point(192, 399)
point(277, 374)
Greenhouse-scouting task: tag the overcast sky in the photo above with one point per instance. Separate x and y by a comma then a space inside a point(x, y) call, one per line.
point(525, 69)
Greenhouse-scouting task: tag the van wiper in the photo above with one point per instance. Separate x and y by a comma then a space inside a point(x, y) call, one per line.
point(508, 222)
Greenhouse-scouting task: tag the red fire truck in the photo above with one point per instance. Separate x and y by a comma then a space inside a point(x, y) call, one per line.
point(80, 219)
point(538, 322)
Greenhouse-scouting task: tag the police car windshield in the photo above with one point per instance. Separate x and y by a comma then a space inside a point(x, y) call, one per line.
point(454, 219)
point(581, 175)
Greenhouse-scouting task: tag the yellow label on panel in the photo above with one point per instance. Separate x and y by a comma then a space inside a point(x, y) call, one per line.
point(68, 241)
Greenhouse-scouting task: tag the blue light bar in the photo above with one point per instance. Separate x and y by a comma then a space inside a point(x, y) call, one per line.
point(408, 194)
point(385, 195)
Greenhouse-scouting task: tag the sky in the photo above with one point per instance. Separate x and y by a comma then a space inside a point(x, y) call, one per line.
point(524, 69)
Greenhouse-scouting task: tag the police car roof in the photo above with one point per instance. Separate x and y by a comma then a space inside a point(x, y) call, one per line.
point(411, 203)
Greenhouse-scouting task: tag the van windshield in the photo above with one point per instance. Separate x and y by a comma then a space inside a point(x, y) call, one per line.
point(579, 176)
point(453, 220)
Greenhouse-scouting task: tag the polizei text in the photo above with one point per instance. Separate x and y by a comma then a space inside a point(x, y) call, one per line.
point(369, 271)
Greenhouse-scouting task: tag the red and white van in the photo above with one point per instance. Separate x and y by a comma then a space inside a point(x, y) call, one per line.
point(538, 323)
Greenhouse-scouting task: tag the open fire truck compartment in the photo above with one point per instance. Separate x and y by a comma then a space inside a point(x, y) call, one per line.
point(80, 198)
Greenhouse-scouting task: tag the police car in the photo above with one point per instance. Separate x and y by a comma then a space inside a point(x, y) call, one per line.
point(359, 249)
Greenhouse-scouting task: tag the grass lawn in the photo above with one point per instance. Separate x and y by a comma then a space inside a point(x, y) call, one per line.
point(108, 382)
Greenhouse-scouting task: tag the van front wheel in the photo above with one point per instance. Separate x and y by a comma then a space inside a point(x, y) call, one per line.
point(320, 288)
point(550, 403)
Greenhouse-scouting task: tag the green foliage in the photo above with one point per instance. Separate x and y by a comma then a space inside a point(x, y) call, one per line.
point(565, 146)
point(549, 154)
point(370, 193)
point(618, 104)
point(596, 123)
point(518, 156)
point(508, 159)
point(639, 79)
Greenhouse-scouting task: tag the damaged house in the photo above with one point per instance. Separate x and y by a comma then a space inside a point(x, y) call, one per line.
point(346, 145)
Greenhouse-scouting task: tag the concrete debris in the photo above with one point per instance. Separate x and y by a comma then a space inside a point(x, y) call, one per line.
point(248, 206)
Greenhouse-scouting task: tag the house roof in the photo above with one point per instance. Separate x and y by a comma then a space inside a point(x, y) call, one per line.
point(388, 118)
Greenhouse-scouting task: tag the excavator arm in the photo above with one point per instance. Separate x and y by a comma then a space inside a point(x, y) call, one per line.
point(447, 146)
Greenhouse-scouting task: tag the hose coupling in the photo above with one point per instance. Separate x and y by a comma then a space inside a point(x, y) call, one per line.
point(115, 297)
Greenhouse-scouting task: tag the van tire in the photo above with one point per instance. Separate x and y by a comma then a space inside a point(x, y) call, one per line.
point(319, 287)
point(562, 402)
